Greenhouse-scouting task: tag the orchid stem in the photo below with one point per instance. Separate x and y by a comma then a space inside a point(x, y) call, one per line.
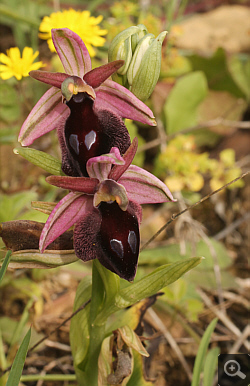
point(97, 332)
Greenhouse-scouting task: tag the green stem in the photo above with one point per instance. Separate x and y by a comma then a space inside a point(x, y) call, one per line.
point(48, 377)
point(97, 332)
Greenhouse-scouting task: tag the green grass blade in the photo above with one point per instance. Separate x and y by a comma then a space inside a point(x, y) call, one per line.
point(17, 367)
point(5, 265)
point(198, 365)
point(210, 366)
point(22, 323)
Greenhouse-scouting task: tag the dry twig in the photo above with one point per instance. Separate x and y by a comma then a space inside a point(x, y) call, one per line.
point(159, 325)
point(163, 137)
point(223, 317)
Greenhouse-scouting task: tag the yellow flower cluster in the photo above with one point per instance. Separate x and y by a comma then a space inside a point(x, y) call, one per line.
point(81, 22)
point(187, 168)
point(13, 64)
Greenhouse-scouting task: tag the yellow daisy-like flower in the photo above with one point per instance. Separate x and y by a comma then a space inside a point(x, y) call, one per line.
point(81, 22)
point(13, 64)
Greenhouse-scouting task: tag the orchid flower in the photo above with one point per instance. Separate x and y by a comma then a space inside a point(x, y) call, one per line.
point(83, 105)
point(106, 210)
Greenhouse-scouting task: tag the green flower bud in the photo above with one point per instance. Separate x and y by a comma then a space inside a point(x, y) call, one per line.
point(121, 48)
point(135, 38)
point(144, 70)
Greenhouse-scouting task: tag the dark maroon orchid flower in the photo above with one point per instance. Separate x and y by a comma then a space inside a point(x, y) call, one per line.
point(83, 105)
point(105, 209)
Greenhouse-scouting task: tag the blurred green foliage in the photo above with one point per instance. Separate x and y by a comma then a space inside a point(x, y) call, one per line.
point(181, 106)
point(182, 164)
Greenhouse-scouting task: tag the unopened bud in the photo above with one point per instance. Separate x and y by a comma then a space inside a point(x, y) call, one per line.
point(145, 66)
point(141, 53)
point(121, 48)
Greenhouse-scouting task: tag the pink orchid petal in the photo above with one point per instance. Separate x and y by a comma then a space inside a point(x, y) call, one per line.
point(98, 75)
point(99, 167)
point(118, 170)
point(143, 187)
point(112, 96)
point(78, 184)
point(66, 213)
point(72, 51)
point(46, 115)
point(53, 78)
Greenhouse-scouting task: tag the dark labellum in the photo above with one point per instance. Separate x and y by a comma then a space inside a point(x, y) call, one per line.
point(84, 134)
point(120, 240)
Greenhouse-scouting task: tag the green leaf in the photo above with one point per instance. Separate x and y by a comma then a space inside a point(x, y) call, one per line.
point(79, 327)
point(158, 279)
point(199, 360)
point(43, 160)
point(5, 265)
point(17, 367)
point(210, 366)
point(240, 71)
point(216, 70)
point(34, 259)
point(147, 286)
point(184, 99)
point(22, 323)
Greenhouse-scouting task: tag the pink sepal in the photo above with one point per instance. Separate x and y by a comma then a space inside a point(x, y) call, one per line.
point(66, 213)
point(98, 75)
point(45, 116)
point(72, 51)
point(78, 184)
point(143, 187)
point(112, 96)
point(53, 78)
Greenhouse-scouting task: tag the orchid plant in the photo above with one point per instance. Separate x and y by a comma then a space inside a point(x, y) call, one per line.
point(103, 207)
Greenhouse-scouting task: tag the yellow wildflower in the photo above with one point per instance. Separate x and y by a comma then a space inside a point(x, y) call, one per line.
point(13, 64)
point(80, 22)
